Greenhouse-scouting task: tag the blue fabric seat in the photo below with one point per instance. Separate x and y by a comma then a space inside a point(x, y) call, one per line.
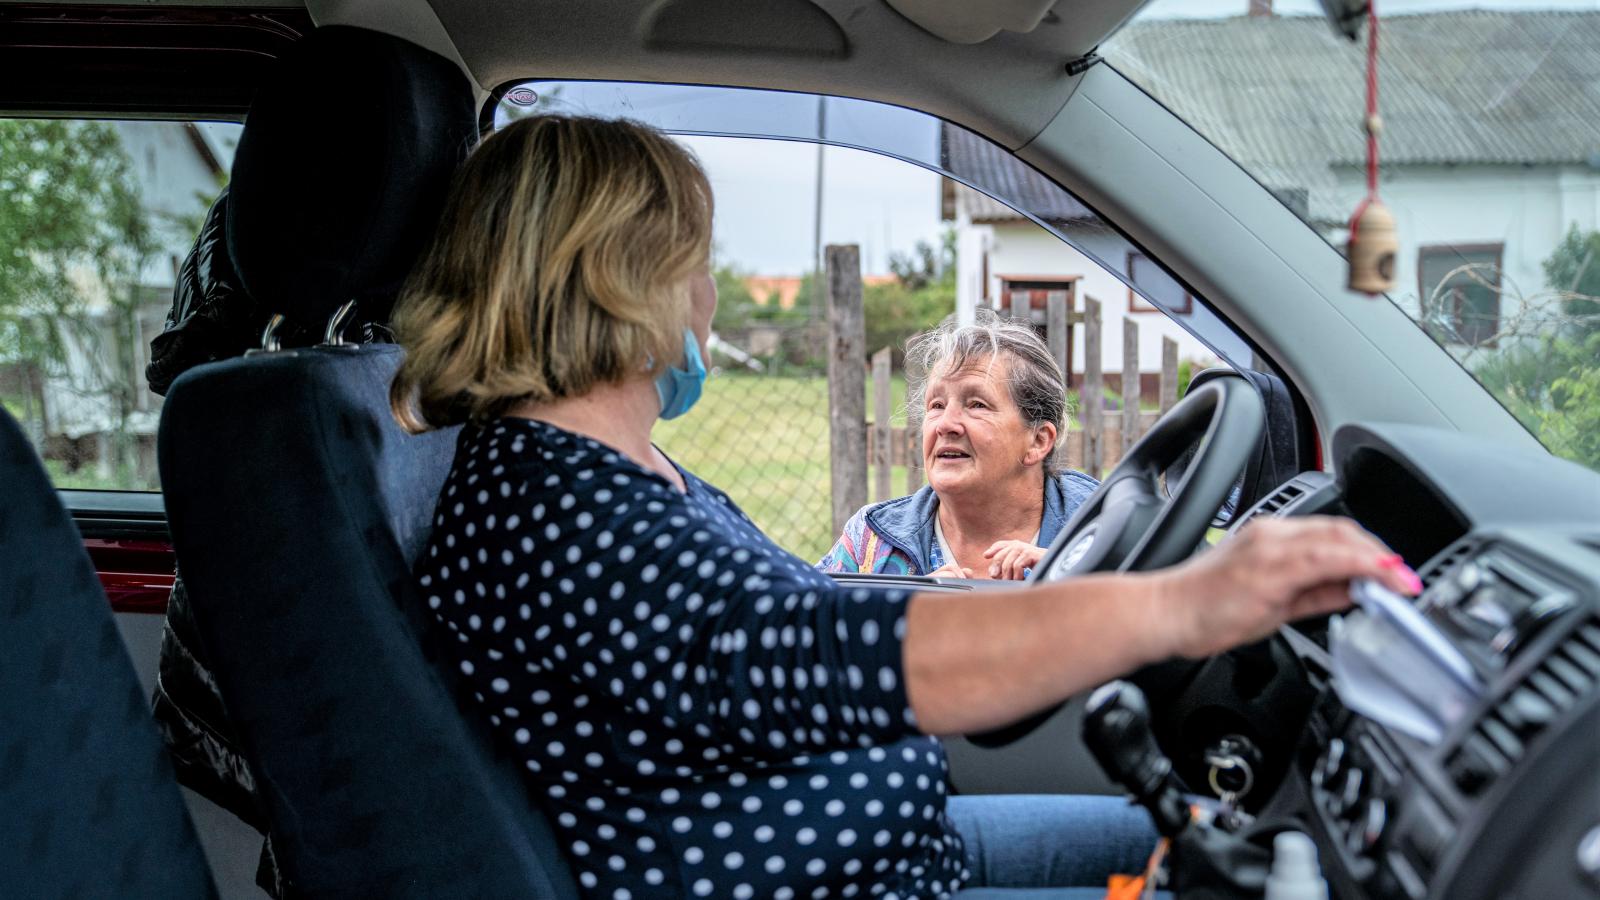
point(296, 505)
point(88, 803)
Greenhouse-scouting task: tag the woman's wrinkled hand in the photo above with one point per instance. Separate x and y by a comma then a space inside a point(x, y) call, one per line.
point(1272, 572)
point(1012, 558)
point(950, 570)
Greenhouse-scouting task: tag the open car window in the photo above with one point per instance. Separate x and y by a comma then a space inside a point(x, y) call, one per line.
point(946, 223)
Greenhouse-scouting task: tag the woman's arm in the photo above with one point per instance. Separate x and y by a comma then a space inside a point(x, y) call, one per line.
point(977, 661)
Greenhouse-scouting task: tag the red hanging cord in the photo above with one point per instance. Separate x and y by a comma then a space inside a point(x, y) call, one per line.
point(1373, 245)
point(1372, 124)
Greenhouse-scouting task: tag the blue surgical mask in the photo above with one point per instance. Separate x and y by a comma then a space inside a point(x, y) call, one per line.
point(677, 388)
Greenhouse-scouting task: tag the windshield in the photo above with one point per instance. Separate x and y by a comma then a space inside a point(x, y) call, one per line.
point(1490, 156)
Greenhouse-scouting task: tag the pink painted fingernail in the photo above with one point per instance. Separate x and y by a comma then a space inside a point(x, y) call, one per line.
point(1393, 561)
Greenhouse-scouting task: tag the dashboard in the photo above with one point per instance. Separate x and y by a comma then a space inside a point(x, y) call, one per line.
point(1507, 802)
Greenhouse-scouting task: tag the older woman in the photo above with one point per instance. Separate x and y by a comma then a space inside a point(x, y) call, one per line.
point(993, 407)
point(699, 712)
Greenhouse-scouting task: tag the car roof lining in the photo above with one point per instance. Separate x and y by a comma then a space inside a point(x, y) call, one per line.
point(1007, 87)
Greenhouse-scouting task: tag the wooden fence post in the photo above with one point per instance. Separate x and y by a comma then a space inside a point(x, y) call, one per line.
point(1130, 385)
point(1057, 325)
point(1021, 305)
point(1092, 397)
point(1169, 374)
point(1055, 328)
point(847, 389)
point(913, 455)
point(882, 427)
point(914, 473)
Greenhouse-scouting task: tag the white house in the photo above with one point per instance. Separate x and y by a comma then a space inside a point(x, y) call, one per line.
point(1490, 152)
point(1490, 146)
point(1000, 253)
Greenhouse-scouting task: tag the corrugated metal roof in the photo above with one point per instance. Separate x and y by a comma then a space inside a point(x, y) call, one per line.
point(1284, 95)
point(971, 156)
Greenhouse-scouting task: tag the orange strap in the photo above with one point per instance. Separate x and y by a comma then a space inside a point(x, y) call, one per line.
point(1135, 887)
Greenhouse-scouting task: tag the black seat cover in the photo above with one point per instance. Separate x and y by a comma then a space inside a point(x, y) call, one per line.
point(297, 505)
point(296, 521)
point(88, 803)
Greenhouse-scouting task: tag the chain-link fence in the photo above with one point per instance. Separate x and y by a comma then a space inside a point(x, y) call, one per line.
point(763, 438)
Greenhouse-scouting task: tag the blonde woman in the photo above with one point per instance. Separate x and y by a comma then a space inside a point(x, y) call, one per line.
point(701, 713)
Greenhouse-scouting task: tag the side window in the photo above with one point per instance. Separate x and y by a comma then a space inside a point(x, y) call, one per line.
point(1143, 270)
point(95, 217)
point(929, 247)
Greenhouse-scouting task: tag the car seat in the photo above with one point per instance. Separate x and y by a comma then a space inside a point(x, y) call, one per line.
point(297, 504)
point(91, 807)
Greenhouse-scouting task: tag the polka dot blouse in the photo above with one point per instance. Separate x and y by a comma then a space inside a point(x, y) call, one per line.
point(700, 713)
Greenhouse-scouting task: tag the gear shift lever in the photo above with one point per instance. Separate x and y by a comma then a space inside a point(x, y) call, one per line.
point(1116, 726)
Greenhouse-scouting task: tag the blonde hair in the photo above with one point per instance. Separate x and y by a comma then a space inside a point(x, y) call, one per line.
point(562, 262)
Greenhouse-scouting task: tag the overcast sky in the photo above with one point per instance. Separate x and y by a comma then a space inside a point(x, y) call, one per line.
point(765, 188)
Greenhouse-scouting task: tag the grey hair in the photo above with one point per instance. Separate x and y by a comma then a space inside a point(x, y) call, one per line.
point(1035, 382)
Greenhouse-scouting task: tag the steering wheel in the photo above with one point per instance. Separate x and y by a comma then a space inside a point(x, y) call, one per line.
point(1128, 525)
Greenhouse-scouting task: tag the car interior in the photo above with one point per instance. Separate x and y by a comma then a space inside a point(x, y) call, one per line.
point(297, 504)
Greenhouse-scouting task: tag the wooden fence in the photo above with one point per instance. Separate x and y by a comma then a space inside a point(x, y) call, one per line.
point(1095, 442)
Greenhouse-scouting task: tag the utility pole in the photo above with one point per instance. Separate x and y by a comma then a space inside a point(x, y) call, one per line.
point(816, 213)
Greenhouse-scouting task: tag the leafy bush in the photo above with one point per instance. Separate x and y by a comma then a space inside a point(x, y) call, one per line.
point(1551, 381)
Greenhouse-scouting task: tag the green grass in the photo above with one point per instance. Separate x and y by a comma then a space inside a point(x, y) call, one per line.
point(763, 440)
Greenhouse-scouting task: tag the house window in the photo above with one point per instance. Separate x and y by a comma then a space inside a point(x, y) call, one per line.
point(1163, 292)
point(1460, 290)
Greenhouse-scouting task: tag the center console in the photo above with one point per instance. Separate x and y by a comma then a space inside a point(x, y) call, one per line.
point(1508, 802)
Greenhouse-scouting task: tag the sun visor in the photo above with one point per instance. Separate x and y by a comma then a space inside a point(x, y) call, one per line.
point(966, 22)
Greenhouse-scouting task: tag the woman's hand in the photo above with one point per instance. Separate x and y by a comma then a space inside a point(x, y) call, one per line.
point(950, 570)
point(1272, 572)
point(1011, 558)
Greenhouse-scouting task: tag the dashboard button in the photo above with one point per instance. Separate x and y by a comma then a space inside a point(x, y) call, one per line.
point(1552, 689)
point(1373, 822)
point(1589, 659)
point(1427, 832)
point(1502, 738)
point(1349, 792)
point(1570, 675)
point(1526, 711)
point(1334, 758)
point(1475, 764)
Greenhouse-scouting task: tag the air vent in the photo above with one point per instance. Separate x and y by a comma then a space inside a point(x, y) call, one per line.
point(1443, 563)
point(1280, 498)
point(1562, 680)
point(1275, 502)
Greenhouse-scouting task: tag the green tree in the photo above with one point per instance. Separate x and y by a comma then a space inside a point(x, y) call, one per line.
point(1574, 269)
point(922, 294)
point(735, 305)
point(1549, 378)
point(73, 240)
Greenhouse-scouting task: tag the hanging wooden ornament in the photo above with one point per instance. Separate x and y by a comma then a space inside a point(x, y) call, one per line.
point(1374, 242)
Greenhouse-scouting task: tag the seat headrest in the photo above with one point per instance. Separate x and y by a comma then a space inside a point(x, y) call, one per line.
point(342, 171)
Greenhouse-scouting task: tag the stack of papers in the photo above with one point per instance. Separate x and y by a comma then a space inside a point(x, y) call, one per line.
point(1393, 666)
